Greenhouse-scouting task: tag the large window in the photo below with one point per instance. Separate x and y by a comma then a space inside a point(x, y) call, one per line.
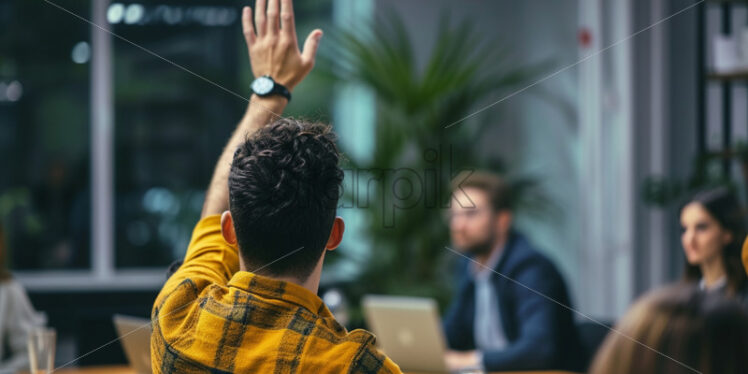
point(170, 124)
point(108, 141)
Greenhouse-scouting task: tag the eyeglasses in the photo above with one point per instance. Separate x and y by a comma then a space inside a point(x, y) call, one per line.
point(468, 214)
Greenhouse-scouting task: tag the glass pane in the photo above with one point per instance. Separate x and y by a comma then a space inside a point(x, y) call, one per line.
point(170, 125)
point(44, 135)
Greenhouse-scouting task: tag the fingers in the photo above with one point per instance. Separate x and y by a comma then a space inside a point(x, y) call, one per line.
point(288, 26)
point(272, 17)
point(310, 47)
point(260, 19)
point(247, 27)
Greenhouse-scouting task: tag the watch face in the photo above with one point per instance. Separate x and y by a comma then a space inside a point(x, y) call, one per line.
point(262, 85)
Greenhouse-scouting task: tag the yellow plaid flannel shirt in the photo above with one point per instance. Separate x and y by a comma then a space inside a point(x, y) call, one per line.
point(212, 318)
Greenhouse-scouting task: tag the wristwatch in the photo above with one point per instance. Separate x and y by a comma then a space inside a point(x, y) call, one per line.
point(265, 86)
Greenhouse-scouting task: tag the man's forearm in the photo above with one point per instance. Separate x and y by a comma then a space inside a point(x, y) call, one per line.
point(260, 112)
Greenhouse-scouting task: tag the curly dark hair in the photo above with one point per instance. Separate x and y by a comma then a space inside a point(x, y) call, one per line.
point(284, 187)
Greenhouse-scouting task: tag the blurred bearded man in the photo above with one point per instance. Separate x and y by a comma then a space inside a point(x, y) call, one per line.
point(507, 313)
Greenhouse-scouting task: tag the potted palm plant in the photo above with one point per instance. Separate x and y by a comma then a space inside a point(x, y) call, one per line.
point(418, 128)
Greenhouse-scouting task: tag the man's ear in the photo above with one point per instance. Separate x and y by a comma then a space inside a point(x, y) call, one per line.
point(227, 228)
point(504, 221)
point(336, 234)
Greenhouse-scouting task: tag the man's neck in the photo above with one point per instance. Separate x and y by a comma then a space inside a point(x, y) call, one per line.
point(311, 283)
point(498, 246)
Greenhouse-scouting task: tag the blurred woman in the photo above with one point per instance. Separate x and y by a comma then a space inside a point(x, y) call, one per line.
point(713, 233)
point(678, 329)
point(17, 319)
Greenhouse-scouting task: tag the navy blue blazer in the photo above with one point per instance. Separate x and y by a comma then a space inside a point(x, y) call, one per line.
point(541, 333)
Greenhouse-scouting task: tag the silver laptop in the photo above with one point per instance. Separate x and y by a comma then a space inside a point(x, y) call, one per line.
point(135, 335)
point(408, 331)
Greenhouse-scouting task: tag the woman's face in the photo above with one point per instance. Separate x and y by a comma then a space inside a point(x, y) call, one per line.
point(703, 237)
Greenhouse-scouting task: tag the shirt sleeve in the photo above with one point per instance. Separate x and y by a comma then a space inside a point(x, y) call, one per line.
point(22, 318)
point(370, 360)
point(459, 318)
point(209, 259)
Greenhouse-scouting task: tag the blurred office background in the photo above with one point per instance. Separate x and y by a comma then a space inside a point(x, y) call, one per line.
point(602, 112)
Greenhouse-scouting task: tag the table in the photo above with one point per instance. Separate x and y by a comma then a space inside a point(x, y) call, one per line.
point(113, 369)
point(122, 369)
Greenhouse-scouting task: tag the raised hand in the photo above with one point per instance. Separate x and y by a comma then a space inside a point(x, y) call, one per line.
point(273, 46)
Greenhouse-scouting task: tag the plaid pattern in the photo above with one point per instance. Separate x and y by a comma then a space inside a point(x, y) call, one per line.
point(212, 318)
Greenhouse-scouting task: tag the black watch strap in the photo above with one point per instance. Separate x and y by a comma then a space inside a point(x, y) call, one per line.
point(279, 89)
point(266, 86)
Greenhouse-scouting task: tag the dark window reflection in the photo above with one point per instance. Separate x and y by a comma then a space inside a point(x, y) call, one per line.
point(170, 125)
point(44, 134)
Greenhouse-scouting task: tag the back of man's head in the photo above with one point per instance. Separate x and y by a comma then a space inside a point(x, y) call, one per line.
point(284, 187)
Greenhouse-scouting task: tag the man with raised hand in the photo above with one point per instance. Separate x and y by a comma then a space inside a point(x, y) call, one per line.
point(245, 298)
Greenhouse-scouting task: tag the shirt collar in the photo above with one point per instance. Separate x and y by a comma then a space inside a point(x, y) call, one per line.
point(721, 282)
point(484, 271)
point(279, 290)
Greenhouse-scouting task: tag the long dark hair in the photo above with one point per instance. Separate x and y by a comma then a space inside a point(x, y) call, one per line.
point(4, 273)
point(724, 207)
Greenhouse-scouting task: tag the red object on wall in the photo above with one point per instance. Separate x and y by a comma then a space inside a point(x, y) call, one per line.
point(585, 37)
